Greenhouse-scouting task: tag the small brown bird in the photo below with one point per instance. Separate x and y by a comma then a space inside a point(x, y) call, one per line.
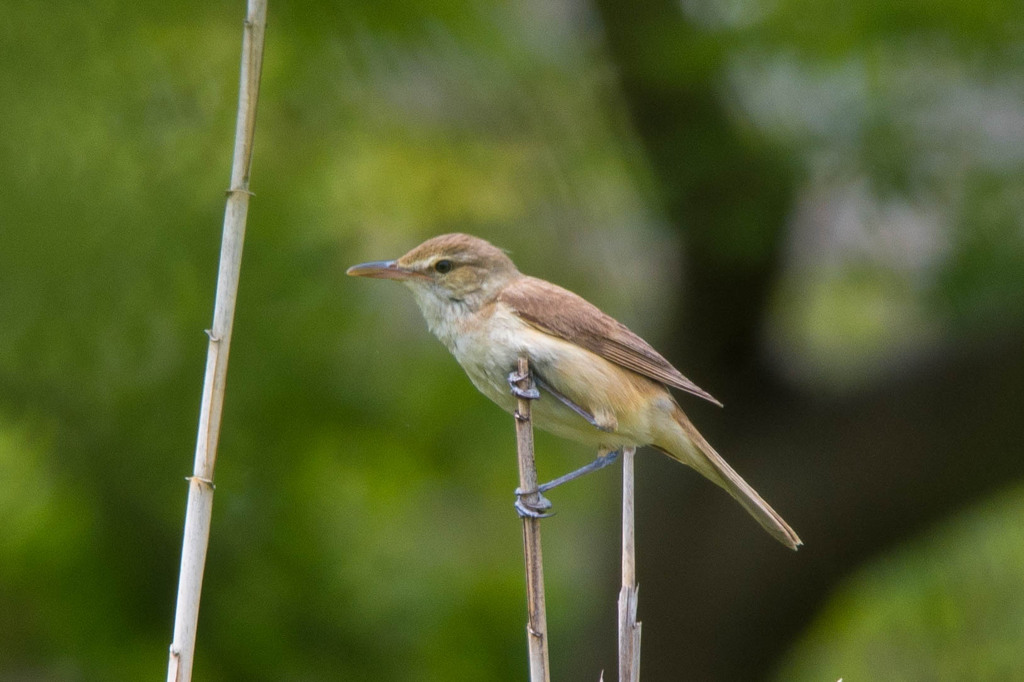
point(609, 388)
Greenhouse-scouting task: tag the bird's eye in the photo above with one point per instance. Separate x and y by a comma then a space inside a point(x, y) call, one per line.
point(444, 266)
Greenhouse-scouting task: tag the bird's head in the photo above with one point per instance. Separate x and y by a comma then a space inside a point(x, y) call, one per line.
point(446, 270)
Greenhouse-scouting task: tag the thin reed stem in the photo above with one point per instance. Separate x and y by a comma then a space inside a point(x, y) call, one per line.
point(200, 495)
point(629, 629)
point(537, 627)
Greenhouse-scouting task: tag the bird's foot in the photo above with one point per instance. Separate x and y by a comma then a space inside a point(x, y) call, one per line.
point(530, 393)
point(533, 509)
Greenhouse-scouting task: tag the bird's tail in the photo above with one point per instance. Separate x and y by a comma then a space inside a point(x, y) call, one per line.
point(690, 448)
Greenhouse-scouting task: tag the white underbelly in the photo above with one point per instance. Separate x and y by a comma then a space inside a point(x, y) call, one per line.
point(588, 380)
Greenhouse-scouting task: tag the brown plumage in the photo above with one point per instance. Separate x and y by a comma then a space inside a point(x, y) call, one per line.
point(581, 322)
point(489, 314)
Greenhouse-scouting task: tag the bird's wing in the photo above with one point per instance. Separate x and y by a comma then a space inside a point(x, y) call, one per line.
point(556, 311)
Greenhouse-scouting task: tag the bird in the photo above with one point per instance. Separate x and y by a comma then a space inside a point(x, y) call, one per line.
point(599, 383)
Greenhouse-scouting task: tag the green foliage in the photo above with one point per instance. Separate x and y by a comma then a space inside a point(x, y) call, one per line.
point(948, 606)
point(362, 524)
point(984, 272)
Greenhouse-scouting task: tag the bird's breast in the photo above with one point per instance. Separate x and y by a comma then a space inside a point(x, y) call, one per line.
point(488, 346)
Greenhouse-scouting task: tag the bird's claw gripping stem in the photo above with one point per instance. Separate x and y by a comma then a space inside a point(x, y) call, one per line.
point(530, 509)
point(525, 393)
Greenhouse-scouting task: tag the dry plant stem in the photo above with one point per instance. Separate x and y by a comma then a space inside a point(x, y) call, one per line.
point(629, 629)
point(200, 494)
point(537, 628)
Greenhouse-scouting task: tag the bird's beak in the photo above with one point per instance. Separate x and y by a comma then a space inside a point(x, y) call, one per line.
point(380, 269)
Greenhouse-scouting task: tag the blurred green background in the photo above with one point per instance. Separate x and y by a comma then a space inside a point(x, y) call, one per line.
point(813, 209)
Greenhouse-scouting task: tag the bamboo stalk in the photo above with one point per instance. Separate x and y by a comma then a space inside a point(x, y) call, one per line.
point(537, 628)
point(200, 495)
point(629, 629)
